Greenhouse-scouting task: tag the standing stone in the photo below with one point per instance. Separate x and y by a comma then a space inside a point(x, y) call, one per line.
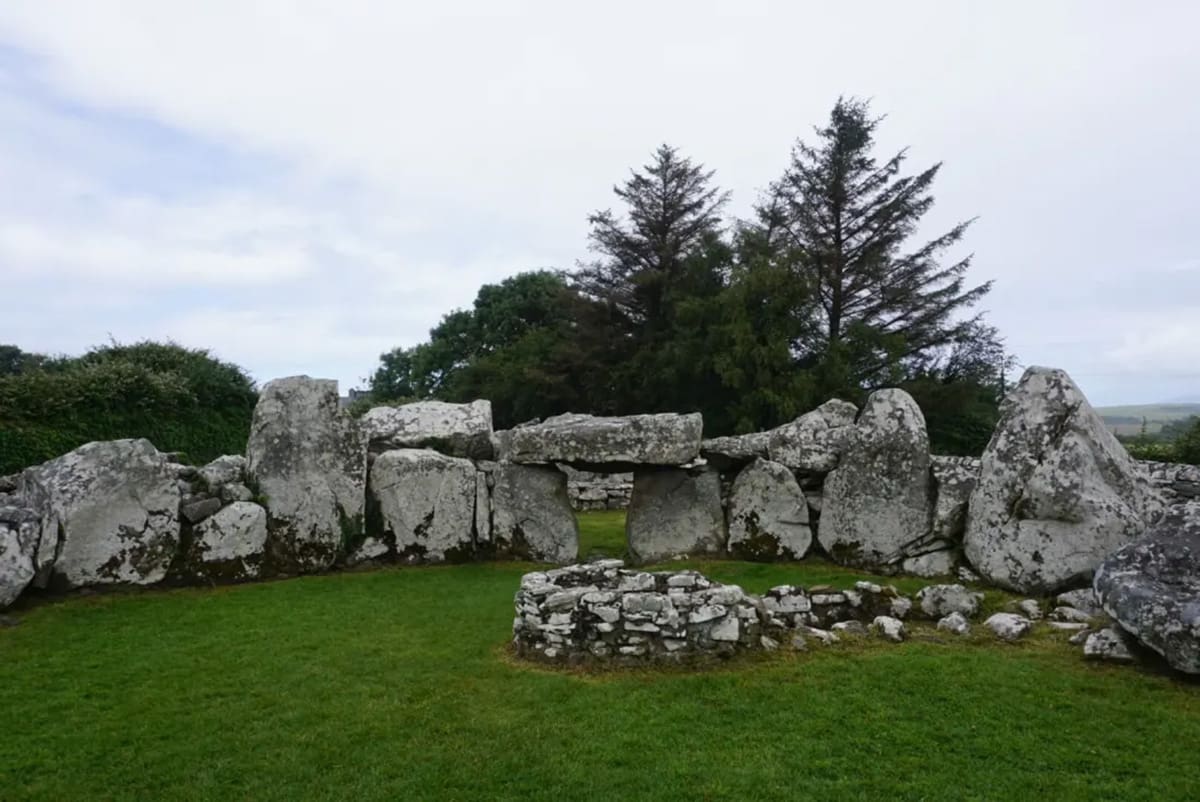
point(483, 509)
point(108, 510)
point(230, 545)
point(876, 506)
point(459, 430)
point(1057, 492)
point(768, 514)
point(814, 442)
point(675, 511)
point(20, 533)
point(532, 517)
point(307, 458)
point(1152, 588)
point(426, 503)
point(608, 443)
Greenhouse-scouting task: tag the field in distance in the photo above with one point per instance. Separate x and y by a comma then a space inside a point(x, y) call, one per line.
point(1127, 419)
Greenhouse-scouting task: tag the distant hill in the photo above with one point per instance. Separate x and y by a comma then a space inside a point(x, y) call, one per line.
point(1128, 419)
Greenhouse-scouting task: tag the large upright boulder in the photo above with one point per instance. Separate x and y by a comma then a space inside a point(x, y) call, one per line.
point(108, 515)
point(426, 504)
point(814, 442)
point(1152, 587)
point(675, 511)
point(768, 514)
point(1056, 493)
point(532, 517)
point(309, 460)
point(459, 430)
point(608, 444)
point(876, 506)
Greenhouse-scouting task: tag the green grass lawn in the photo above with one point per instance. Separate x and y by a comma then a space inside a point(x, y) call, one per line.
point(396, 685)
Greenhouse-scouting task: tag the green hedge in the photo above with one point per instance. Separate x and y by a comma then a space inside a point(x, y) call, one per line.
point(180, 399)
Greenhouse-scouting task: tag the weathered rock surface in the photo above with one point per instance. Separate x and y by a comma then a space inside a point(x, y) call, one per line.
point(937, 601)
point(768, 514)
point(1057, 492)
point(20, 533)
point(426, 503)
point(876, 508)
point(1083, 599)
point(1152, 588)
point(225, 470)
point(931, 563)
point(725, 453)
point(108, 514)
point(531, 515)
point(230, 544)
point(814, 442)
point(458, 430)
point(608, 443)
point(1107, 644)
point(308, 459)
point(954, 479)
point(675, 511)
point(1008, 626)
point(955, 624)
point(889, 628)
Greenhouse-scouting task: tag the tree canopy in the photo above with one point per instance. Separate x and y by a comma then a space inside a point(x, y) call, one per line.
point(751, 322)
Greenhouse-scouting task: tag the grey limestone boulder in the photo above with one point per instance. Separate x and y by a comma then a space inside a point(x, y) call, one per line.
point(532, 517)
point(1008, 626)
point(1107, 644)
point(938, 601)
point(458, 430)
point(954, 478)
point(307, 458)
point(426, 504)
point(109, 514)
point(225, 470)
point(768, 514)
point(876, 507)
point(20, 535)
point(1151, 587)
point(1056, 493)
point(675, 511)
point(231, 544)
point(610, 444)
point(725, 453)
point(955, 623)
point(814, 442)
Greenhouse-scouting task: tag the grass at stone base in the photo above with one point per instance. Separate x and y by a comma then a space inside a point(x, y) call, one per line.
point(397, 684)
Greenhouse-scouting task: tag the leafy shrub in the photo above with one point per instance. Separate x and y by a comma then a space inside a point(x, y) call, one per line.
point(180, 399)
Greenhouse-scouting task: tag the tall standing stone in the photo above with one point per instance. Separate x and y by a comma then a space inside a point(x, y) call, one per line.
point(876, 506)
point(768, 514)
point(532, 517)
point(675, 511)
point(426, 503)
point(308, 459)
point(1056, 493)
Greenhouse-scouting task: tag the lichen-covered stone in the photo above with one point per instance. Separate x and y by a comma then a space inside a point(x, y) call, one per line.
point(224, 470)
point(308, 460)
point(954, 479)
point(610, 444)
point(532, 517)
point(955, 623)
point(1151, 587)
point(814, 442)
point(939, 562)
point(937, 601)
point(1008, 626)
point(458, 430)
point(20, 534)
point(675, 511)
point(108, 514)
point(725, 453)
point(768, 514)
point(426, 504)
point(1057, 492)
point(876, 508)
point(231, 544)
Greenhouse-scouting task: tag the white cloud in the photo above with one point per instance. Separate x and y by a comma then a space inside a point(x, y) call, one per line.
point(388, 158)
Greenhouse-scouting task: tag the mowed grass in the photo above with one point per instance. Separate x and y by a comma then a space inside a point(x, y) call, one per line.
point(397, 684)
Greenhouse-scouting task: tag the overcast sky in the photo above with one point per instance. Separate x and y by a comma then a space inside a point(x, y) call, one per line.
point(300, 186)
